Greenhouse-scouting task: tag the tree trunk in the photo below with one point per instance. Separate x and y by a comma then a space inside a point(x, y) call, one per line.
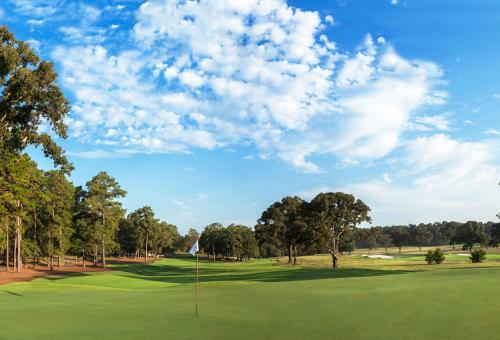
point(213, 250)
point(146, 253)
point(19, 237)
point(95, 255)
point(294, 255)
point(14, 251)
point(61, 248)
point(103, 254)
point(420, 247)
point(386, 250)
point(399, 250)
point(7, 259)
point(334, 260)
point(51, 252)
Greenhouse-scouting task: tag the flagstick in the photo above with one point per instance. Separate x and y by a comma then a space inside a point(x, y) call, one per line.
point(197, 284)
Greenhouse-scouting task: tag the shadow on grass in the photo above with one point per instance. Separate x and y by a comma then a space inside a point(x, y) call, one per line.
point(184, 273)
point(12, 293)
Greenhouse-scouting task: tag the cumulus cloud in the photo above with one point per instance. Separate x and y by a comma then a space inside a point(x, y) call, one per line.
point(212, 74)
point(439, 178)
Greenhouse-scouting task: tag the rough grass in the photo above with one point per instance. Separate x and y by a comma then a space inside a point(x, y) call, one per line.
point(370, 299)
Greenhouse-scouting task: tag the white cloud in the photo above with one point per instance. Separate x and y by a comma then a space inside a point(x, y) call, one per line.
point(35, 22)
point(272, 79)
point(440, 179)
point(97, 154)
point(435, 122)
point(329, 19)
point(493, 132)
point(357, 71)
point(36, 8)
point(394, 2)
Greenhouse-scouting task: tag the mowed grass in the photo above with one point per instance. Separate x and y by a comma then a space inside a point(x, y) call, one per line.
point(256, 300)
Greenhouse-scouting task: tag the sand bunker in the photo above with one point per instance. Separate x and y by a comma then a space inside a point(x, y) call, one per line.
point(379, 256)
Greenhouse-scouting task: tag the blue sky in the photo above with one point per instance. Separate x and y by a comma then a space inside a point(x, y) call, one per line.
point(212, 110)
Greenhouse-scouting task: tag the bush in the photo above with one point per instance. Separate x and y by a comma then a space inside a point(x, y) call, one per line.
point(478, 256)
point(429, 258)
point(436, 256)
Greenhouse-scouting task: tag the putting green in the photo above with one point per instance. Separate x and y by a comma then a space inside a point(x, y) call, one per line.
point(254, 300)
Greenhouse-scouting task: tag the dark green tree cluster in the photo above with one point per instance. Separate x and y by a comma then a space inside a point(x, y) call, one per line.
point(142, 233)
point(468, 234)
point(326, 223)
point(234, 242)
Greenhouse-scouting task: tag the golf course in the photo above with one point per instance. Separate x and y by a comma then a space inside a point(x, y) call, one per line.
point(377, 299)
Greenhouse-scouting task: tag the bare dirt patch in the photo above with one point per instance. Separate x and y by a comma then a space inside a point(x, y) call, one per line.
point(31, 271)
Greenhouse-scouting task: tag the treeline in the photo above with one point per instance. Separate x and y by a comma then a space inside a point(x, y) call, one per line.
point(47, 216)
point(42, 214)
point(328, 224)
point(234, 242)
point(467, 234)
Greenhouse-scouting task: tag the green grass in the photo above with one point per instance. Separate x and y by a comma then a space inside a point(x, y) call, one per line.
point(256, 300)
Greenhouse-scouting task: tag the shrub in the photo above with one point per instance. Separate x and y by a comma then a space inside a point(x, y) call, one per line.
point(429, 257)
point(478, 256)
point(436, 256)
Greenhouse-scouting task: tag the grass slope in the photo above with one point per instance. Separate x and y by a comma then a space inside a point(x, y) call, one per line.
point(254, 300)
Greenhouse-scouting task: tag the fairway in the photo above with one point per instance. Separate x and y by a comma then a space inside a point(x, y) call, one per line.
point(254, 300)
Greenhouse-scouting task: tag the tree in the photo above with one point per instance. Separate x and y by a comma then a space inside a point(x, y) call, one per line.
point(347, 242)
point(384, 239)
point(334, 214)
point(128, 237)
point(249, 247)
point(59, 220)
point(211, 238)
point(162, 237)
point(29, 97)
point(145, 222)
point(101, 200)
point(21, 181)
point(84, 239)
point(495, 234)
point(399, 236)
point(185, 242)
point(470, 233)
point(284, 225)
point(448, 231)
point(421, 235)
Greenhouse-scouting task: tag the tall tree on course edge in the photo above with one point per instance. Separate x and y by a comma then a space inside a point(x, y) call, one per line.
point(334, 214)
point(29, 98)
point(101, 200)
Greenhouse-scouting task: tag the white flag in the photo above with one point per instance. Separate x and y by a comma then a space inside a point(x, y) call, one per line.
point(194, 248)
